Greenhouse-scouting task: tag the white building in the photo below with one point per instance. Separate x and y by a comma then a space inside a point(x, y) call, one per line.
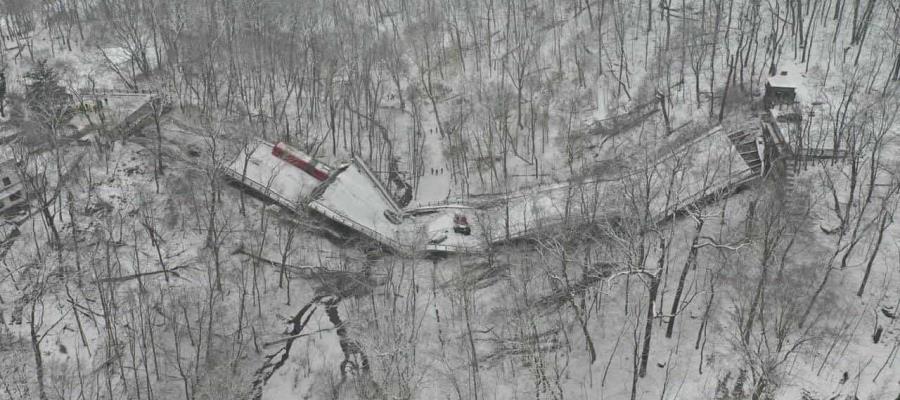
point(11, 189)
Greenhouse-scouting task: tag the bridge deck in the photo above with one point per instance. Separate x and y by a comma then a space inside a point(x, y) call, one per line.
point(705, 167)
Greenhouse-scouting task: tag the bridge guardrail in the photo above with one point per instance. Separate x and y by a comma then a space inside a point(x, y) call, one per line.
point(378, 185)
point(521, 229)
point(336, 216)
point(430, 207)
point(264, 190)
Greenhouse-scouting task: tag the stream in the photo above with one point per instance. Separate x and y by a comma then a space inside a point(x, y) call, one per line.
point(355, 360)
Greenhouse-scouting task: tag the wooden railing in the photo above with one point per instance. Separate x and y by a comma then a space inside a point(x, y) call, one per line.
point(821, 154)
point(734, 180)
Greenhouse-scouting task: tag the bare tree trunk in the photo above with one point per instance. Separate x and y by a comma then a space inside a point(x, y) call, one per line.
point(882, 226)
point(36, 349)
point(688, 265)
point(651, 305)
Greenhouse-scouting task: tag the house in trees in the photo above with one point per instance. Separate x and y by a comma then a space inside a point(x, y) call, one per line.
point(11, 188)
point(788, 104)
point(781, 89)
point(781, 121)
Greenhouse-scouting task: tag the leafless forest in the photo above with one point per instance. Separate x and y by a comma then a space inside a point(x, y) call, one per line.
point(449, 199)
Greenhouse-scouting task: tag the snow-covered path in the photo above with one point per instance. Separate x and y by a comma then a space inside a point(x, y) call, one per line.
point(436, 185)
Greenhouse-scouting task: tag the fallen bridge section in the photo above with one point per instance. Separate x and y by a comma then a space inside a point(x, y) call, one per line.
point(355, 198)
point(698, 171)
point(257, 168)
point(688, 174)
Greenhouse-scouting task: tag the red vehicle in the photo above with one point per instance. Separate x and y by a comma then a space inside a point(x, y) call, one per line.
point(300, 160)
point(461, 224)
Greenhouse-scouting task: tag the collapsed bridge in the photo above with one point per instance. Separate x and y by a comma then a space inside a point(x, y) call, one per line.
point(708, 166)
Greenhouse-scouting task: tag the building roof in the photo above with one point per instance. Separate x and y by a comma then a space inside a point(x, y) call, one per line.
point(785, 79)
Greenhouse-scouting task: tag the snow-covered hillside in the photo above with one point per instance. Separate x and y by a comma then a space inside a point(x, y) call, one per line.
point(610, 199)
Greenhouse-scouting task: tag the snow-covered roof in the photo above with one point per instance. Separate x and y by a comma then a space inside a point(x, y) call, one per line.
point(786, 79)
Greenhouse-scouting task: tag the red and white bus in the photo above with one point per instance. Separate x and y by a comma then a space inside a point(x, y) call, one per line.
point(300, 160)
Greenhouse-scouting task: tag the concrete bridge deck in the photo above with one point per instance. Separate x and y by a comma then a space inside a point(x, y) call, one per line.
point(704, 168)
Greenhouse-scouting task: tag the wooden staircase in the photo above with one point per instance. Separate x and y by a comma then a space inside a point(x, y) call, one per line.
point(795, 202)
point(744, 140)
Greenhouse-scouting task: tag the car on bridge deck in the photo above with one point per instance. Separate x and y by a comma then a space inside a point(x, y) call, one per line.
point(438, 239)
point(461, 224)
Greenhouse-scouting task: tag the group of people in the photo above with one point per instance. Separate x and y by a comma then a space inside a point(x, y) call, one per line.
point(437, 171)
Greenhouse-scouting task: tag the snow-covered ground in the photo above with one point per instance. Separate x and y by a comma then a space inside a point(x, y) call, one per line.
point(116, 106)
point(427, 324)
